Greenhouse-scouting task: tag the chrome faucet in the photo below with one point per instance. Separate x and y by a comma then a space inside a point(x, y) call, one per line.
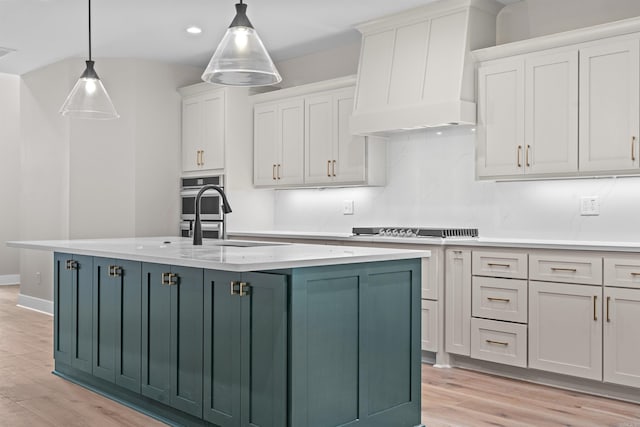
point(197, 228)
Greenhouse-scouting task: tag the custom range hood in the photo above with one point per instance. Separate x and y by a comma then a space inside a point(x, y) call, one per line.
point(416, 69)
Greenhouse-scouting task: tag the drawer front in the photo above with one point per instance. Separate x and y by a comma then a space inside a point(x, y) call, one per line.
point(623, 272)
point(567, 269)
point(499, 299)
point(499, 264)
point(429, 325)
point(499, 342)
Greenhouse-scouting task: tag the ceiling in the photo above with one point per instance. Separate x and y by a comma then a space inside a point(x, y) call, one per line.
point(42, 32)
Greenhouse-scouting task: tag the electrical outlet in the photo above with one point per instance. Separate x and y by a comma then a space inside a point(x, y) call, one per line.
point(347, 207)
point(589, 206)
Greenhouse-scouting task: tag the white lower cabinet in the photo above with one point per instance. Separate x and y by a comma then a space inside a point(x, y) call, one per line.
point(458, 301)
point(565, 328)
point(621, 337)
point(429, 325)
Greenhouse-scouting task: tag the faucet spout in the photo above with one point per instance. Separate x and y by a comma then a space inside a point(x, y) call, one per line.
point(226, 208)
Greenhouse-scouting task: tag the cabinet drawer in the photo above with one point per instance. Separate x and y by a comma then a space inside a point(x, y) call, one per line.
point(499, 264)
point(499, 299)
point(622, 271)
point(568, 269)
point(499, 342)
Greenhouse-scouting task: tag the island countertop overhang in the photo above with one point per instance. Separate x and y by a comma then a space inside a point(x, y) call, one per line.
point(213, 255)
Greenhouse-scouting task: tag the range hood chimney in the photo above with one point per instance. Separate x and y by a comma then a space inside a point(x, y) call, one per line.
point(416, 69)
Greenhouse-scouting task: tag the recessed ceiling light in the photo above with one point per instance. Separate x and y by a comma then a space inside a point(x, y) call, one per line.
point(194, 30)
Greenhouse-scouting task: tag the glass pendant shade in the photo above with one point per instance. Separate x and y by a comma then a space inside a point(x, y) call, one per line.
point(88, 98)
point(241, 58)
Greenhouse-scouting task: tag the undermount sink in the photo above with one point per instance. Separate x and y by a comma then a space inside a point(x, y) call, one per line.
point(243, 244)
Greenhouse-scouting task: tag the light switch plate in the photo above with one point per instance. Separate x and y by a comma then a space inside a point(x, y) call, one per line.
point(589, 206)
point(347, 207)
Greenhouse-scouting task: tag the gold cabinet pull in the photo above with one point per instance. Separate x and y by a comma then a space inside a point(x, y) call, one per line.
point(235, 288)
point(608, 301)
point(570, 270)
point(497, 342)
point(595, 308)
point(278, 170)
point(494, 264)
point(71, 264)
point(633, 273)
point(519, 155)
point(633, 148)
point(498, 299)
point(164, 280)
point(333, 167)
point(244, 289)
point(201, 157)
point(198, 158)
point(527, 155)
point(328, 168)
point(273, 172)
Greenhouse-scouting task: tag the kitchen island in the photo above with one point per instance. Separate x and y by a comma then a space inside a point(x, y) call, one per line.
point(236, 333)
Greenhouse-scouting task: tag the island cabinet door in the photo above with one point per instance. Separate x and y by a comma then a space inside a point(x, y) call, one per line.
point(117, 323)
point(245, 349)
point(172, 320)
point(73, 310)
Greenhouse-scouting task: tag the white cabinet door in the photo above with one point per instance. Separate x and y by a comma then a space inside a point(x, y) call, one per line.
point(213, 130)
point(319, 138)
point(609, 109)
point(551, 113)
point(191, 133)
point(349, 152)
point(429, 325)
point(290, 166)
point(203, 131)
point(265, 144)
point(458, 301)
point(500, 119)
point(621, 337)
point(565, 329)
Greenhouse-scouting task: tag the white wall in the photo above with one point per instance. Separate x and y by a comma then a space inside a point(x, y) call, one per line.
point(9, 172)
point(533, 18)
point(431, 183)
point(88, 178)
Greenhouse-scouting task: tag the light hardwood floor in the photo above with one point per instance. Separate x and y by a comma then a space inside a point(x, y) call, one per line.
point(31, 396)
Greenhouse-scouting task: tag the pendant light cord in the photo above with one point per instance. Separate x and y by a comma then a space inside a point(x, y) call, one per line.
point(90, 30)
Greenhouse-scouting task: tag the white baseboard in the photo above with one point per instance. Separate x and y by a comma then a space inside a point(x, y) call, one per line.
point(35, 304)
point(9, 279)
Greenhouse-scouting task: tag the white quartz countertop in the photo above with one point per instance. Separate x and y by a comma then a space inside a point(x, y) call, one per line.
point(589, 245)
point(214, 255)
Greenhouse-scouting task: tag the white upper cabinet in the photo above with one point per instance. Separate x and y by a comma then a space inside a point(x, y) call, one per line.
point(302, 138)
point(609, 106)
point(278, 143)
point(528, 116)
point(203, 130)
point(581, 104)
point(551, 114)
point(500, 119)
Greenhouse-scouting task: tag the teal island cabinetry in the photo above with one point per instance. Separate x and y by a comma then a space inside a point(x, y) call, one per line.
point(221, 337)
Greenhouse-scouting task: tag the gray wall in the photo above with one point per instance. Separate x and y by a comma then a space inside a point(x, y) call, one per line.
point(9, 173)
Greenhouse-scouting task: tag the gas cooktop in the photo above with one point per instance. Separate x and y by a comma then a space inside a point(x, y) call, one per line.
point(415, 232)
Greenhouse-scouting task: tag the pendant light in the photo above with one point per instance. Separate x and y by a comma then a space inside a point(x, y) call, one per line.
point(88, 99)
point(241, 59)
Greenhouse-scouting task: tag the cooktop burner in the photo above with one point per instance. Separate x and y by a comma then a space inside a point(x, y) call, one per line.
point(415, 232)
